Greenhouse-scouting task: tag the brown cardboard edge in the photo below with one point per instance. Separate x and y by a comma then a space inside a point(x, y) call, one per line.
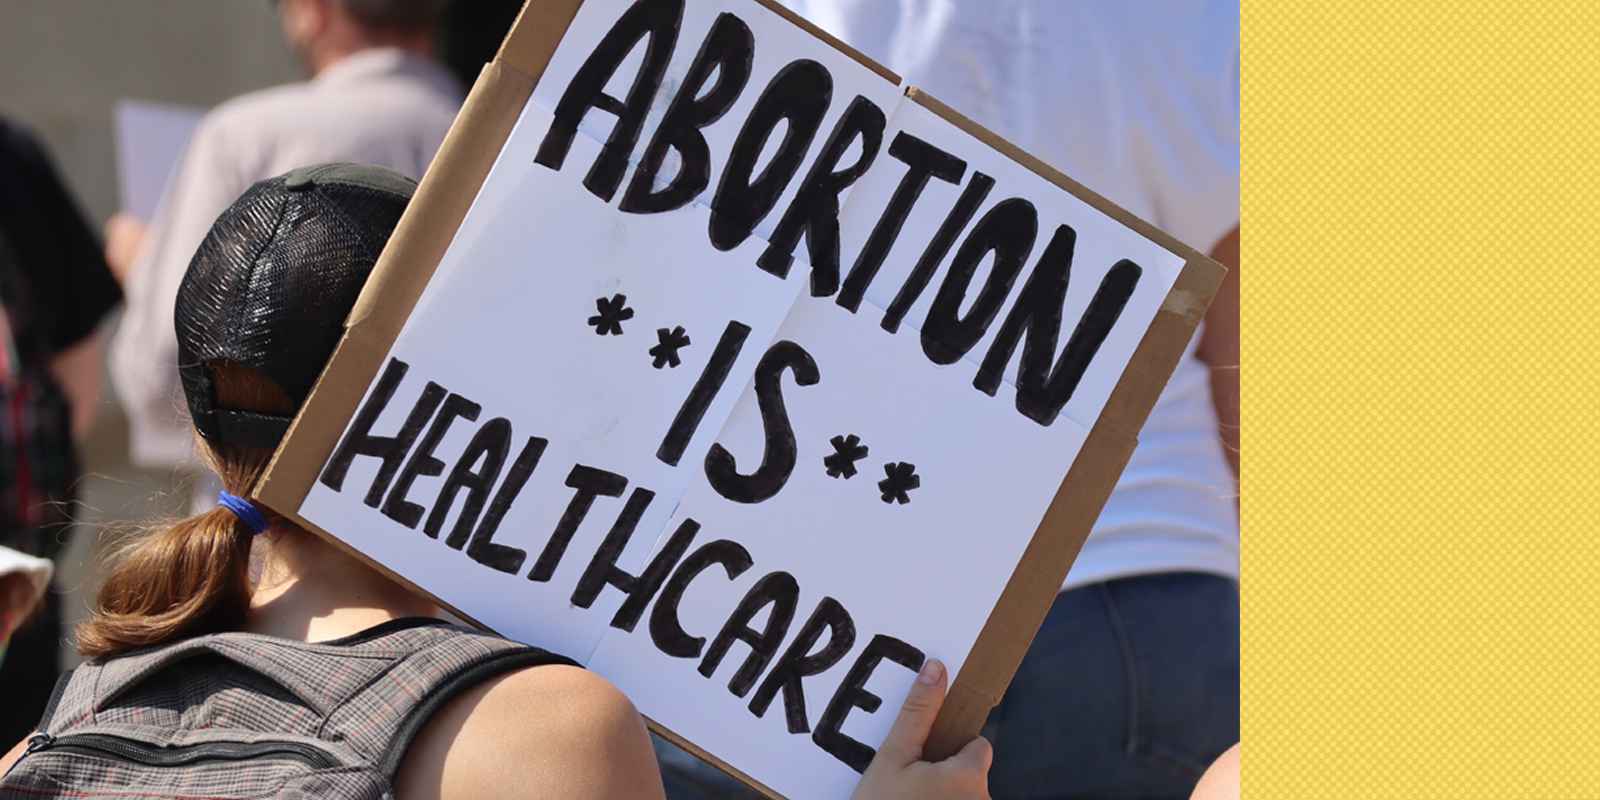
point(668, 734)
point(535, 35)
point(413, 253)
point(1029, 593)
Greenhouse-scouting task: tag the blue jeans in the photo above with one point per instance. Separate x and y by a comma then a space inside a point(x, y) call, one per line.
point(1130, 689)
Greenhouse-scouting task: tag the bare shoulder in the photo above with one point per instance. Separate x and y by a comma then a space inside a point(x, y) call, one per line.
point(11, 757)
point(1221, 780)
point(550, 731)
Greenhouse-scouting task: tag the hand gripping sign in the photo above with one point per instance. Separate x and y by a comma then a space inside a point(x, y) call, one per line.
point(714, 357)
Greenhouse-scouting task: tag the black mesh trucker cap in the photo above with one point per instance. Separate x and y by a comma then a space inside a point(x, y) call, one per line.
point(271, 285)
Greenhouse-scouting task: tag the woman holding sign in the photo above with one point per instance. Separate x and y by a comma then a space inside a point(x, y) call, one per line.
point(295, 669)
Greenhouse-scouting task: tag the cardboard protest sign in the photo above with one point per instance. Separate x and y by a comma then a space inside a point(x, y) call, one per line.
point(713, 357)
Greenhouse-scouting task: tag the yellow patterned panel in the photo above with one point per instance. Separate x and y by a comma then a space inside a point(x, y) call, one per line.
point(1421, 393)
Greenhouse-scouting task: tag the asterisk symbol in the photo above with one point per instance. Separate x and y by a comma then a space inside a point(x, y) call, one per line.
point(670, 343)
point(612, 313)
point(847, 450)
point(902, 479)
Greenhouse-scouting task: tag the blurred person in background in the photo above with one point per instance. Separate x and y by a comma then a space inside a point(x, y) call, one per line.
point(1131, 687)
point(377, 95)
point(55, 289)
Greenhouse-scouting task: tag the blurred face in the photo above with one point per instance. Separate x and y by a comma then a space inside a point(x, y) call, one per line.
point(304, 24)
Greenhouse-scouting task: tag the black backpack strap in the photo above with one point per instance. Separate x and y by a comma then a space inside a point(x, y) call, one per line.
point(54, 702)
point(381, 720)
point(485, 670)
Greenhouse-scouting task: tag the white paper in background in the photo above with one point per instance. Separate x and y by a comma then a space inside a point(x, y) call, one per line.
point(927, 572)
point(151, 139)
point(1101, 242)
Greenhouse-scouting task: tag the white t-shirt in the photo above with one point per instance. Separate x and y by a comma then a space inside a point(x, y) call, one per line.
point(1139, 102)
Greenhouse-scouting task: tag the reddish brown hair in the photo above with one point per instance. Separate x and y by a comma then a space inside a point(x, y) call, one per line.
point(190, 576)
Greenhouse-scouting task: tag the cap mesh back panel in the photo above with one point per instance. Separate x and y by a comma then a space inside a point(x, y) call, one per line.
point(274, 280)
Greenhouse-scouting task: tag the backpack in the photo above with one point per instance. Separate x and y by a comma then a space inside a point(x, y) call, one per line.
point(235, 715)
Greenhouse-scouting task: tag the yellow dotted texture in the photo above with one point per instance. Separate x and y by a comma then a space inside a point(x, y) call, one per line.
point(1421, 393)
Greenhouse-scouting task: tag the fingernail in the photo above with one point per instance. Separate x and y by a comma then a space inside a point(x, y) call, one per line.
point(932, 671)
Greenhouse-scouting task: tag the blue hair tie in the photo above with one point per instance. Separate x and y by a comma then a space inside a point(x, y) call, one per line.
point(245, 510)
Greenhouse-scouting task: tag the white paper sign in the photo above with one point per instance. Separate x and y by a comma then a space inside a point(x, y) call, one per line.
point(151, 138)
point(745, 382)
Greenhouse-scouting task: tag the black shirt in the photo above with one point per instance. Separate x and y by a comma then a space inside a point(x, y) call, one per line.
point(60, 286)
point(55, 288)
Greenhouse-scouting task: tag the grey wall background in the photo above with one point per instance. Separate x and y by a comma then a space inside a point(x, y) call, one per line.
point(63, 65)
